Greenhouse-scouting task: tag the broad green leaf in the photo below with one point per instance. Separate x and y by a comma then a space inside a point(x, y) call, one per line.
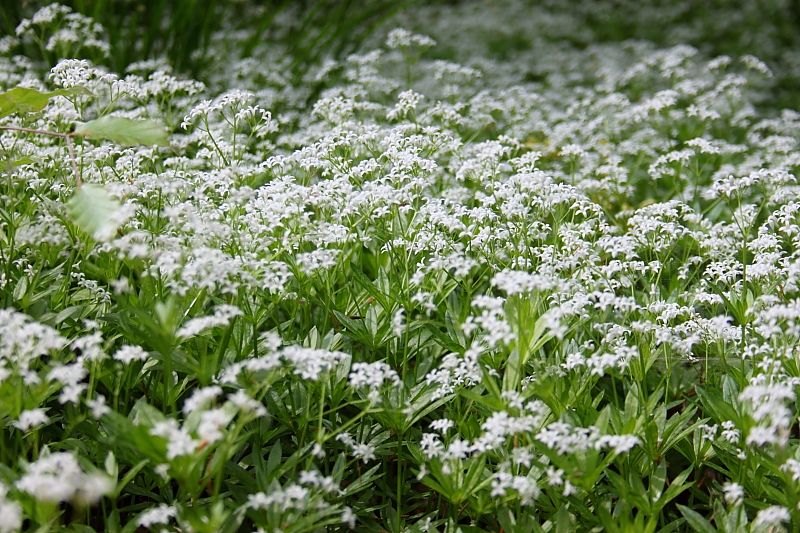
point(24, 100)
point(92, 209)
point(124, 131)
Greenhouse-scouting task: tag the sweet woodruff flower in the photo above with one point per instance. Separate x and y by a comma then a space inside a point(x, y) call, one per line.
point(658, 225)
point(734, 493)
point(156, 515)
point(31, 418)
point(10, 514)
point(58, 477)
point(773, 515)
point(22, 340)
point(372, 376)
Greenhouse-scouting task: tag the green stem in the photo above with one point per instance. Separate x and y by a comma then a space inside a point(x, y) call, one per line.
point(399, 480)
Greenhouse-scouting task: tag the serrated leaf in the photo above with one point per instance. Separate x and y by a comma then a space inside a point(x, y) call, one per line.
point(124, 131)
point(92, 209)
point(24, 100)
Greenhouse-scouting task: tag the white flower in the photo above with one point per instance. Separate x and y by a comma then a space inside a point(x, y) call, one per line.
point(315, 479)
point(349, 517)
point(156, 515)
point(402, 38)
point(221, 317)
point(127, 354)
point(10, 514)
point(407, 102)
point(734, 493)
point(320, 258)
point(399, 322)
point(31, 418)
point(772, 516)
point(59, 478)
point(22, 339)
point(442, 425)
point(373, 375)
point(71, 393)
point(179, 442)
point(555, 477)
point(200, 398)
point(212, 422)
point(247, 404)
point(365, 452)
point(362, 451)
point(318, 451)
point(98, 407)
point(309, 363)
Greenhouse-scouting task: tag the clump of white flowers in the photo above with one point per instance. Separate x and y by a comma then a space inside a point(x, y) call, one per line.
point(546, 282)
point(373, 376)
point(58, 477)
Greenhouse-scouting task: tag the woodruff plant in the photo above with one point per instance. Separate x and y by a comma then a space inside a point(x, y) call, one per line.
point(92, 208)
point(547, 299)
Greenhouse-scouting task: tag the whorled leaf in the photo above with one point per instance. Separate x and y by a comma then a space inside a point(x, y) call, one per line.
point(124, 131)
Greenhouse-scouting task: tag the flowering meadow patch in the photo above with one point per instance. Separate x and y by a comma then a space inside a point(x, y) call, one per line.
point(442, 284)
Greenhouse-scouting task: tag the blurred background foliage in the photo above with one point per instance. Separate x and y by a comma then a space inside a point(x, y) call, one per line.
point(181, 30)
point(309, 30)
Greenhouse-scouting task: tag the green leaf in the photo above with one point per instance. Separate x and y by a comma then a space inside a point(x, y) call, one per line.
point(562, 520)
point(68, 312)
point(274, 460)
point(677, 486)
point(442, 339)
point(145, 414)
point(20, 288)
point(492, 403)
point(92, 209)
point(363, 482)
point(124, 131)
point(129, 476)
point(23, 161)
point(696, 520)
point(23, 100)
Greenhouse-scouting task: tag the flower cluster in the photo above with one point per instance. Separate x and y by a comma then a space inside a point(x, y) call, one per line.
point(497, 277)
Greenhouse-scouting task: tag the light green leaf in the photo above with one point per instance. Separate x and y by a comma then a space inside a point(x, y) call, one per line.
point(93, 209)
point(22, 100)
point(124, 131)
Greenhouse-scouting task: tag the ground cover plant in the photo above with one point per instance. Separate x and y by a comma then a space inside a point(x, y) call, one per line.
point(469, 278)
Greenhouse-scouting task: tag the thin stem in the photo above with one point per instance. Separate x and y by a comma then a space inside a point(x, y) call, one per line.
point(41, 132)
point(73, 160)
point(399, 479)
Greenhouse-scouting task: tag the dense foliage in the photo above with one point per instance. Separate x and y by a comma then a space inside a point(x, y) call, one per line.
point(473, 277)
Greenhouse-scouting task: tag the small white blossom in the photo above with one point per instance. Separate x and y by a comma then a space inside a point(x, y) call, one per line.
point(31, 418)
